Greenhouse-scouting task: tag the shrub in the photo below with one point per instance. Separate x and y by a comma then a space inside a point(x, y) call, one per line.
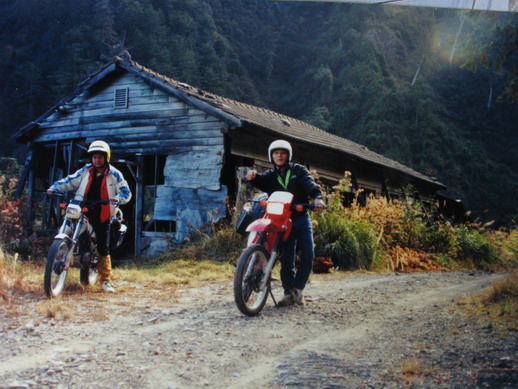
point(222, 244)
point(506, 242)
point(11, 224)
point(388, 233)
point(351, 244)
point(15, 235)
point(343, 234)
point(475, 248)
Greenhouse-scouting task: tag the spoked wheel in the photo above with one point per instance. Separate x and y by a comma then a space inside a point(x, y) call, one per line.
point(88, 276)
point(250, 299)
point(55, 273)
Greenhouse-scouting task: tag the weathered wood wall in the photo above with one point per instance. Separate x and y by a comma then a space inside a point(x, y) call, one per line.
point(152, 123)
point(192, 194)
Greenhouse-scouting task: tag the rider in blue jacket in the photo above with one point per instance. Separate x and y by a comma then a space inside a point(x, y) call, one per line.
point(293, 178)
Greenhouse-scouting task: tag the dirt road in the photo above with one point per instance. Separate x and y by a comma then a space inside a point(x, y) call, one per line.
point(356, 331)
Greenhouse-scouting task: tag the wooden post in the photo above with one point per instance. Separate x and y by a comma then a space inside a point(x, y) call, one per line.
point(49, 208)
point(244, 191)
point(30, 196)
point(25, 173)
point(139, 204)
point(70, 157)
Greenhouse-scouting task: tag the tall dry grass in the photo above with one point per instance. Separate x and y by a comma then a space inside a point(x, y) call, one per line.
point(15, 277)
point(400, 235)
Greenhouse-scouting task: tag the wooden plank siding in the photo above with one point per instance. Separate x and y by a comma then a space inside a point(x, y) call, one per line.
point(154, 122)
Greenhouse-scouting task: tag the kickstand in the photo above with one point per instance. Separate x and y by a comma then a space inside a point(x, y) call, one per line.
point(273, 298)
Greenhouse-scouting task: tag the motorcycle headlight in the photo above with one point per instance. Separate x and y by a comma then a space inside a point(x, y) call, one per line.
point(275, 208)
point(73, 211)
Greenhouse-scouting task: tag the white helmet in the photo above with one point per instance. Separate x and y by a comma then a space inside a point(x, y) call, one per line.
point(100, 146)
point(279, 145)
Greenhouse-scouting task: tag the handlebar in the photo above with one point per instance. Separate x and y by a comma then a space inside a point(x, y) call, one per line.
point(294, 207)
point(85, 203)
point(54, 194)
point(302, 207)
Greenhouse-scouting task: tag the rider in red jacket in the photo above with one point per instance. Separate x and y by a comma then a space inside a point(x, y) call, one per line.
point(98, 180)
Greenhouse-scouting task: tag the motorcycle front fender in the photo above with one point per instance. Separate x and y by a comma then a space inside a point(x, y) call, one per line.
point(259, 225)
point(62, 236)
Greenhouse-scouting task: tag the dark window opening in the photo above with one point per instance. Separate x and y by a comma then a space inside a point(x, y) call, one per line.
point(153, 178)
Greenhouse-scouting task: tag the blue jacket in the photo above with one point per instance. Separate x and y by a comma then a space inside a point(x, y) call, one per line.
point(78, 181)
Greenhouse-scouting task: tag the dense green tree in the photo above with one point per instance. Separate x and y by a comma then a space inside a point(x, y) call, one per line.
point(431, 88)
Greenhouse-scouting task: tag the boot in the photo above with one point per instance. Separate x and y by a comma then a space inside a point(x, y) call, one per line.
point(104, 268)
point(287, 300)
point(298, 297)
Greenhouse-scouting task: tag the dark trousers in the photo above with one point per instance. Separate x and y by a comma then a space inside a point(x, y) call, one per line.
point(301, 238)
point(102, 233)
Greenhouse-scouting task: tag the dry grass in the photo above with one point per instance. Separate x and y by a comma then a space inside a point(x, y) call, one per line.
point(16, 277)
point(412, 371)
point(498, 304)
point(55, 309)
point(23, 279)
point(180, 272)
point(407, 260)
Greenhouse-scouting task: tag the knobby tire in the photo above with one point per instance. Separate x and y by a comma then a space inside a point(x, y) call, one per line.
point(53, 283)
point(249, 298)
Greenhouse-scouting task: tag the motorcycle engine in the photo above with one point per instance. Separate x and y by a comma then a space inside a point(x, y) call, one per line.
point(85, 252)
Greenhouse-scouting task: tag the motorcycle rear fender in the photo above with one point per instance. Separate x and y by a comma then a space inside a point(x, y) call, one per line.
point(259, 225)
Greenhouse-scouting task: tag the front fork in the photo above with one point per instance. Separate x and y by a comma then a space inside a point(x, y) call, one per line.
point(73, 240)
point(271, 260)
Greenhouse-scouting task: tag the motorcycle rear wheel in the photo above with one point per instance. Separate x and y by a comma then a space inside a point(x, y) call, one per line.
point(88, 276)
point(54, 278)
point(249, 298)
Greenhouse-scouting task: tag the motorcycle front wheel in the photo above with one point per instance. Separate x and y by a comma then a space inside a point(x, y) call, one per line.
point(248, 295)
point(55, 275)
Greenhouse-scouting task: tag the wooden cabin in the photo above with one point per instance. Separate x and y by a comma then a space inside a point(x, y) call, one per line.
point(180, 149)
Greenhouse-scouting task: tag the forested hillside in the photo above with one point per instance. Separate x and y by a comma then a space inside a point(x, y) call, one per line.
point(430, 88)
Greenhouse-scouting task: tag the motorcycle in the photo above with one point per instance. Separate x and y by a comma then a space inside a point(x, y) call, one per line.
point(253, 275)
point(75, 245)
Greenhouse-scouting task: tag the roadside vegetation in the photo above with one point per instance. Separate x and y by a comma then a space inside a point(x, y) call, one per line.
point(395, 236)
point(404, 236)
point(498, 304)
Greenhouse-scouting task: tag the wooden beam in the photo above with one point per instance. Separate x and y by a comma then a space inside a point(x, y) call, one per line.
point(50, 206)
point(25, 173)
point(30, 196)
point(139, 204)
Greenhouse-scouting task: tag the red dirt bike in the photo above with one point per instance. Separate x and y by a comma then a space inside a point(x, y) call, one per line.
point(75, 244)
point(253, 276)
